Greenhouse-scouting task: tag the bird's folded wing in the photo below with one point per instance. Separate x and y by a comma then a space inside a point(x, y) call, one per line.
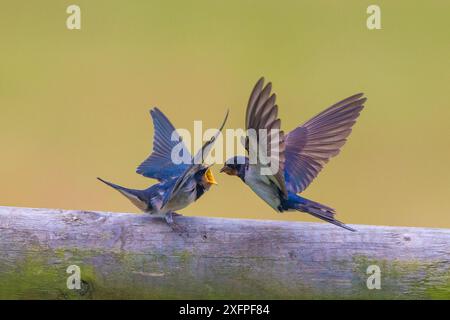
point(311, 145)
point(195, 166)
point(159, 164)
point(179, 183)
point(262, 113)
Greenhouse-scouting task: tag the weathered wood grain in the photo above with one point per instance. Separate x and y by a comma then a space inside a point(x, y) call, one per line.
point(136, 256)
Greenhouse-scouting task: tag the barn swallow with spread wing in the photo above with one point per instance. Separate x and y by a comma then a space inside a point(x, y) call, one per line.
point(300, 154)
point(180, 184)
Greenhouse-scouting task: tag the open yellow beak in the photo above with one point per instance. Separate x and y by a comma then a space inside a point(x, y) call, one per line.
point(209, 177)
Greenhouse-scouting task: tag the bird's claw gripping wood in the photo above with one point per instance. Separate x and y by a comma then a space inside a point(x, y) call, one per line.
point(176, 227)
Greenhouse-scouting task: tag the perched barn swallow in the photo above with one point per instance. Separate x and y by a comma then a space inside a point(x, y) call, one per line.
point(179, 184)
point(301, 154)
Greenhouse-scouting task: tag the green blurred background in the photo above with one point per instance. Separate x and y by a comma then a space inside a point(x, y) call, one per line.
point(74, 104)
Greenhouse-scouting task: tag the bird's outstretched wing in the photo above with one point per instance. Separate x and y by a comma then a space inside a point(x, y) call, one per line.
point(192, 169)
point(311, 145)
point(262, 113)
point(159, 164)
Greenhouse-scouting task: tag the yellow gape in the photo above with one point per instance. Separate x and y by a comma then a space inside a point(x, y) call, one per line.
point(209, 177)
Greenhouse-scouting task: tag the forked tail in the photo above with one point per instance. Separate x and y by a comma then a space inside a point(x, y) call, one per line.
point(137, 197)
point(315, 209)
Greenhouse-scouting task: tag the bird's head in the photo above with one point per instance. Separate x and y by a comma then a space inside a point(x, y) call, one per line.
point(206, 178)
point(235, 166)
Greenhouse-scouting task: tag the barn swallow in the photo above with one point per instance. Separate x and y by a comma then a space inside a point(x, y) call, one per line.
point(301, 154)
point(179, 184)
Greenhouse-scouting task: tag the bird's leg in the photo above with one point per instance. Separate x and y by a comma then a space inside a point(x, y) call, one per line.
point(176, 214)
point(169, 218)
point(175, 226)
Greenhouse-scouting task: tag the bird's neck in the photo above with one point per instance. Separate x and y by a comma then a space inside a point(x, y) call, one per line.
point(200, 190)
point(242, 169)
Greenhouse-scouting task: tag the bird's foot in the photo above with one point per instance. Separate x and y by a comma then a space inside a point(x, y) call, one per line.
point(176, 227)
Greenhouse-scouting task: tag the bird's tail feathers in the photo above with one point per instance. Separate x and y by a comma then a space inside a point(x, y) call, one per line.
point(135, 196)
point(113, 185)
point(320, 211)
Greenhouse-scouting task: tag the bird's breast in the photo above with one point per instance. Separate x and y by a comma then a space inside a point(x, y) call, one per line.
point(183, 198)
point(263, 187)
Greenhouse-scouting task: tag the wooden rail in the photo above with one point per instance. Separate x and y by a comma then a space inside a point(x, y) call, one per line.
point(124, 255)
